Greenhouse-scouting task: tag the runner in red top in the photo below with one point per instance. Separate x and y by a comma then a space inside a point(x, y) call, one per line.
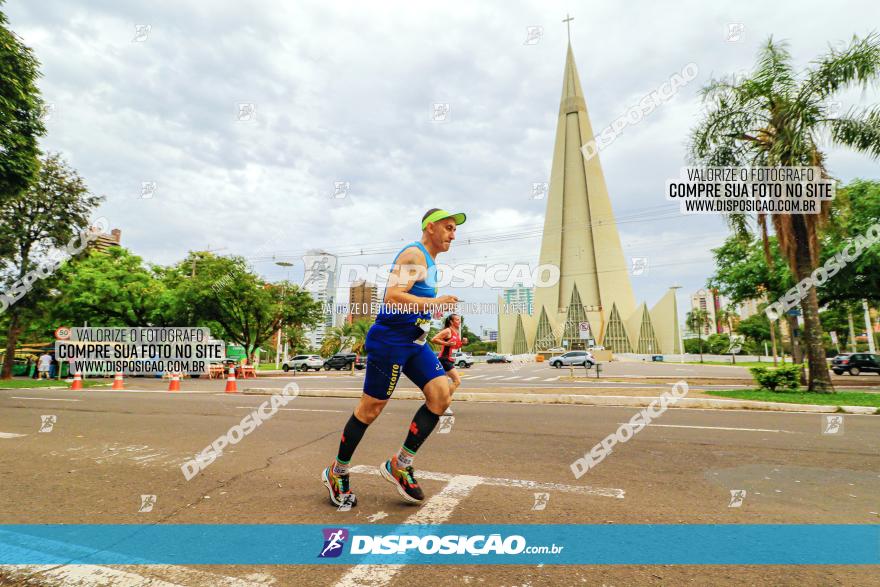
point(450, 339)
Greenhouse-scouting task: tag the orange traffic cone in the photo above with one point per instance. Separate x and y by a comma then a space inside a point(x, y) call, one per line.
point(77, 384)
point(230, 382)
point(174, 384)
point(117, 381)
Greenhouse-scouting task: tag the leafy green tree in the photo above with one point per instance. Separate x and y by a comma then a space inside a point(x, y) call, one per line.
point(776, 117)
point(742, 272)
point(855, 209)
point(755, 328)
point(21, 116)
point(235, 303)
point(109, 289)
point(52, 213)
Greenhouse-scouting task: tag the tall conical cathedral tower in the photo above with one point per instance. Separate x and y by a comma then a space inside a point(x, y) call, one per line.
point(580, 237)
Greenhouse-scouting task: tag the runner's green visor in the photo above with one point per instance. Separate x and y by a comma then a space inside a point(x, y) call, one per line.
point(459, 217)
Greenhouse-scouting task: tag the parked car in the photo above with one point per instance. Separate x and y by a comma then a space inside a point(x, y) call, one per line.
point(498, 358)
point(341, 361)
point(856, 363)
point(574, 359)
point(303, 363)
point(462, 360)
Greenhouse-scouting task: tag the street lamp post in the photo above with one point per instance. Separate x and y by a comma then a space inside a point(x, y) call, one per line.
point(278, 337)
point(675, 325)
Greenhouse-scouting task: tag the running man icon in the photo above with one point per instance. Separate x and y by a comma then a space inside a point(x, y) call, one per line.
point(334, 539)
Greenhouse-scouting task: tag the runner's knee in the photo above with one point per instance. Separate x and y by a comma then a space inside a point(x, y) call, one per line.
point(367, 411)
point(438, 395)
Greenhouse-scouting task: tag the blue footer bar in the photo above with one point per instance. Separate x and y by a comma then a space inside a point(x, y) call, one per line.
point(553, 544)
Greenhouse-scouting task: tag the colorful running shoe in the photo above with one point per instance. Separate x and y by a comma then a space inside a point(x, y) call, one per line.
point(337, 485)
point(404, 480)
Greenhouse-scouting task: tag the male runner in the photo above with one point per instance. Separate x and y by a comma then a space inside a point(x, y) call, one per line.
point(395, 344)
point(450, 340)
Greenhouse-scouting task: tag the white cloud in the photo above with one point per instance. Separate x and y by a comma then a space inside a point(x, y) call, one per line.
point(343, 92)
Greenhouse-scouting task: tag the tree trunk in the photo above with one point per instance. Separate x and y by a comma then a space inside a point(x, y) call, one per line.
point(773, 339)
point(852, 332)
point(820, 377)
point(12, 334)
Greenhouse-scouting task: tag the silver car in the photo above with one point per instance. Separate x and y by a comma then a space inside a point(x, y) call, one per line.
point(573, 359)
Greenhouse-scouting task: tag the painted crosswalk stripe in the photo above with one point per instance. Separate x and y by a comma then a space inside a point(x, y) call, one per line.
point(11, 435)
point(509, 378)
point(439, 508)
point(530, 378)
point(475, 376)
point(552, 378)
point(435, 510)
point(494, 377)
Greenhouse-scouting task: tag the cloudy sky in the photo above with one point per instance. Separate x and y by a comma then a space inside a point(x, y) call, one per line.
point(343, 92)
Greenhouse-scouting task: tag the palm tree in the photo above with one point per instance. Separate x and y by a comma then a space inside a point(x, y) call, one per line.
point(337, 338)
point(697, 320)
point(777, 117)
point(359, 329)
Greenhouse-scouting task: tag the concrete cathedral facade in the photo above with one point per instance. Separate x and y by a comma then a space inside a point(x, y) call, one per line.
point(580, 237)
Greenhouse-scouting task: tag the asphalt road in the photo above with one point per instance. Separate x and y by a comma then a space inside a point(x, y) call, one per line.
point(106, 449)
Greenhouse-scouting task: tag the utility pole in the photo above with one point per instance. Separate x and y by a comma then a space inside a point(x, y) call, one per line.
point(675, 325)
point(852, 331)
point(869, 332)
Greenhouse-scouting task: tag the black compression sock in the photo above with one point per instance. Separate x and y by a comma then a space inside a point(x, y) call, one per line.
point(421, 427)
point(351, 437)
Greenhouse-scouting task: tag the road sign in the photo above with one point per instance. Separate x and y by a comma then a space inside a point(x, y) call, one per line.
point(584, 330)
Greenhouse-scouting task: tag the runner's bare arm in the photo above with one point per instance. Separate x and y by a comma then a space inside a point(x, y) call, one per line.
point(411, 267)
point(443, 337)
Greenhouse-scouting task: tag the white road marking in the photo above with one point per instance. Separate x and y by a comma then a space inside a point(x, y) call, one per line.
point(530, 378)
point(509, 378)
point(439, 508)
point(494, 377)
point(377, 516)
point(474, 377)
point(515, 483)
point(721, 428)
point(435, 510)
point(11, 435)
point(303, 376)
point(48, 399)
point(292, 409)
point(552, 378)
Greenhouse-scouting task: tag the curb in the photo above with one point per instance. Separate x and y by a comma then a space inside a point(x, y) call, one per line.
point(593, 400)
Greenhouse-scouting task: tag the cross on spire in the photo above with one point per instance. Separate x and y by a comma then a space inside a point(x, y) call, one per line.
point(567, 20)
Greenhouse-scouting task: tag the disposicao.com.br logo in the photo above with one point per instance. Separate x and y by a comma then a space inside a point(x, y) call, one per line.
point(448, 544)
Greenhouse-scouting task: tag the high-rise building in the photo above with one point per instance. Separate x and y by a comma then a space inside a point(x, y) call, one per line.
point(704, 299)
point(749, 308)
point(489, 335)
point(320, 281)
point(363, 301)
point(519, 298)
point(593, 293)
point(104, 241)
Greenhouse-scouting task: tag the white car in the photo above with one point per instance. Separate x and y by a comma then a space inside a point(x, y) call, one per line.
point(573, 359)
point(303, 363)
point(462, 360)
